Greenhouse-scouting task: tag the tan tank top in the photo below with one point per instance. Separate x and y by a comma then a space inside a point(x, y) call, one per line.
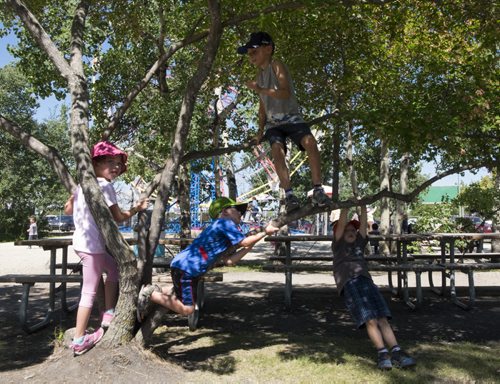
point(278, 111)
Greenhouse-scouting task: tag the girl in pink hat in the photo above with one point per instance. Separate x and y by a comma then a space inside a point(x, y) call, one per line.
point(109, 162)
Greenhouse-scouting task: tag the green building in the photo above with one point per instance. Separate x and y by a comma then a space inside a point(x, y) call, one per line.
point(436, 194)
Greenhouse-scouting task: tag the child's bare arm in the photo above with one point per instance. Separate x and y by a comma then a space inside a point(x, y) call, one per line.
point(120, 215)
point(341, 224)
point(247, 244)
point(232, 260)
point(68, 206)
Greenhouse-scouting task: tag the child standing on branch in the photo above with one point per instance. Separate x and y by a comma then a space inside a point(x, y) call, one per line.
point(361, 296)
point(279, 117)
point(109, 162)
point(222, 240)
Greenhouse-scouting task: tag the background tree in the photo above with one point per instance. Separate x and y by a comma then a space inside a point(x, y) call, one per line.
point(419, 78)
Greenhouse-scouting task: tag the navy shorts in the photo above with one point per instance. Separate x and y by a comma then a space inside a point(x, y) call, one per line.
point(296, 132)
point(364, 301)
point(185, 286)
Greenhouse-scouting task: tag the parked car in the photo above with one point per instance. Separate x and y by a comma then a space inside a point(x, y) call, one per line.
point(485, 226)
point(63, 223)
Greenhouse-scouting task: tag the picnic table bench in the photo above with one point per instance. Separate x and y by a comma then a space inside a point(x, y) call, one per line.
point(63, 272)
point(401, 263)
point(28, 281)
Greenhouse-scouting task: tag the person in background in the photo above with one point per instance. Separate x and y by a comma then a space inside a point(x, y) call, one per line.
point(361, 296)
point(109, 162)
point(373, 242)
point(255, 209)
point(370, 219)
point(32, 230)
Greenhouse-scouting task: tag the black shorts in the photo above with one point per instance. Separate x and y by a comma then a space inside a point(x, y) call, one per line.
point(296, 132)
point(185, 286)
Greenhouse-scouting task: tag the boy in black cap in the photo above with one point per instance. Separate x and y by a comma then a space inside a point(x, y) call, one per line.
point(279, 116)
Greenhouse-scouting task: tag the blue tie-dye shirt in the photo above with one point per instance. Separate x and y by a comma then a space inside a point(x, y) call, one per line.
point(204, 251)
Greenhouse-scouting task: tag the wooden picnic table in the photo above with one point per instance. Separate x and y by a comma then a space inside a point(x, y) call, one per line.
point(58, 273)
point(401, 263)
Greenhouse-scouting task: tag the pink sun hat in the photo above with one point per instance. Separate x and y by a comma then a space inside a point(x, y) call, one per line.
point(105, 148)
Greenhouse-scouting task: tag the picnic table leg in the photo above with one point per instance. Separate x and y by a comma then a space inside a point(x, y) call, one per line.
point(418, 277)
point(453, 289)
point(434, 289)
point(52, 285)
point(472, 288)
point(406, 293)
point(23, 312)
point(288, 276)
point(399, 259)
point(443, 261)
point(453, 292)
point(62, 287)
point(394, 291)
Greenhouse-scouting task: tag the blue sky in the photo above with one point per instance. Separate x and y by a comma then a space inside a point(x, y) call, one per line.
point(50, 106)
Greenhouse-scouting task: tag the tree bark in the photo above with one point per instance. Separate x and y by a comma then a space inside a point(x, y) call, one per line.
point(384, 202)
point(403, 182)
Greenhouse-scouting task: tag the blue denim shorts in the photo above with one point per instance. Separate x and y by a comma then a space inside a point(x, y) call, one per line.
point(364, 301)
point(296, 132)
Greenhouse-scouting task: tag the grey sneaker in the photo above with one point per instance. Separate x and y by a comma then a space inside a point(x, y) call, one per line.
point(144, 303)
point(384, 361)
point(401, 359)
point(291, 203)
point(320, 198)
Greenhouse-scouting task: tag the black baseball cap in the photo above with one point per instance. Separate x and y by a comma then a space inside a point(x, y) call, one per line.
point(257, 39)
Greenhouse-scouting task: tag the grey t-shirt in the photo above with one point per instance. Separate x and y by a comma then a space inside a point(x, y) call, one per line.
point(349, 261)
point(278, 111)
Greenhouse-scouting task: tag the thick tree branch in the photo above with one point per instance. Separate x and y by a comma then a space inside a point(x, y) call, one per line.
point(77, 30)
point(170, 170)
point(47, 152)
point(194, 155)
point(41, 37)
point(309, 209)
point(120, 112)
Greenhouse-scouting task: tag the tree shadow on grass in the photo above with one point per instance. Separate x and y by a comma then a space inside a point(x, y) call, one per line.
point(318, 328)
point(19, 349)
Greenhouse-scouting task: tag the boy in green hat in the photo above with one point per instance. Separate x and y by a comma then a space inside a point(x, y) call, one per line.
point(222, 240)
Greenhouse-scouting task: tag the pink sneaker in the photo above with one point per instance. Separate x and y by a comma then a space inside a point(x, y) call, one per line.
point(89, 341)
point(107, 318)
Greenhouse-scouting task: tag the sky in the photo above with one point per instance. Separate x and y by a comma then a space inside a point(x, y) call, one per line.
point(50, 106)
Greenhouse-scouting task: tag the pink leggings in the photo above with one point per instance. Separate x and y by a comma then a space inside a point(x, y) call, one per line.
point(94, 264)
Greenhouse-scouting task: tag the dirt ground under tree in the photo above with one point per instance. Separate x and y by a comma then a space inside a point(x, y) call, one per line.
point(243, 313)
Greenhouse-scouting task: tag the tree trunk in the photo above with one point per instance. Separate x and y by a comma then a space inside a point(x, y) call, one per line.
point(184, 202)
point(231, 177)
point(400, 205)
point(350, 162)
point(336, 164)
point(495, 243)
point(384, 202)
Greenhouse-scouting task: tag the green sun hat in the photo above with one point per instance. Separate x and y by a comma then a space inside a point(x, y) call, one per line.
point(225, 202)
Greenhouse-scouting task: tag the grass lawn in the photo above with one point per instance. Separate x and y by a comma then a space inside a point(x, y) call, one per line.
point(260, 357)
